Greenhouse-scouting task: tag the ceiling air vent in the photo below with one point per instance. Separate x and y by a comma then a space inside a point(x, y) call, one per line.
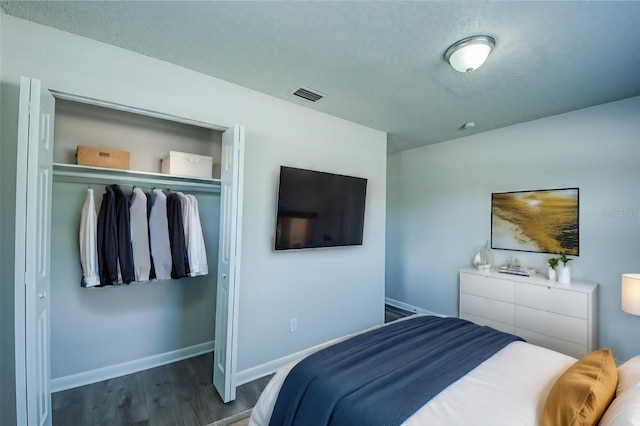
point(307, 94)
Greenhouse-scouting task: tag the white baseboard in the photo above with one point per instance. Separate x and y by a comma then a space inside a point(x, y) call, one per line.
point(409, 308)
point(253, 373)
point(109, 372)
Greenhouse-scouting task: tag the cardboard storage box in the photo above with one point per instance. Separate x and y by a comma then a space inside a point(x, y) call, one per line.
point(101, 157)
point(185, 164)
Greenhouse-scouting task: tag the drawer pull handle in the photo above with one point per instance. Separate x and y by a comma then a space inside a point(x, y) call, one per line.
point(104, 154)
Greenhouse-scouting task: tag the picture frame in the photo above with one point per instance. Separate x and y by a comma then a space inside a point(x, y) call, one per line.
point(539, 221)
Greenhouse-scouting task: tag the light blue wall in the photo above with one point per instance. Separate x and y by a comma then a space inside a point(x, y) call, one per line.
point(145, 319)
point(331, 291)
point(4, 364)
point(439, 204)
point(8, 116)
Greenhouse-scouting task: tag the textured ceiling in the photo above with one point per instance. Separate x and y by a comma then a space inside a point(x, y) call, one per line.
point(381, 63)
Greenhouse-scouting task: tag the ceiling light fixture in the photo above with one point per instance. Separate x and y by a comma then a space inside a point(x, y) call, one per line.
point(470, 53)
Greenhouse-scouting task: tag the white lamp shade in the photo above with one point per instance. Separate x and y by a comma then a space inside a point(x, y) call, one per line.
point(469, 54)
point(631, 293)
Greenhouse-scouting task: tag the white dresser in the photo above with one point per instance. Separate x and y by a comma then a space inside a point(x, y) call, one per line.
point(562, 317)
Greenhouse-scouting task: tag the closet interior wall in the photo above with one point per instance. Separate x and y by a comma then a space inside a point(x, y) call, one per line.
point(148, 139)
point(102, 332)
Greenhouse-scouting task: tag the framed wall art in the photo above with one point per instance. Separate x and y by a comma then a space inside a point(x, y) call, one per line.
point(542, 221)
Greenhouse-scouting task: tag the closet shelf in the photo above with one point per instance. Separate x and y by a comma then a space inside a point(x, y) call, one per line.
point(100, 175)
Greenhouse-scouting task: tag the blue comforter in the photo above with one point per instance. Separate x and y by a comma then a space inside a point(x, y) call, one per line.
point(385, 375)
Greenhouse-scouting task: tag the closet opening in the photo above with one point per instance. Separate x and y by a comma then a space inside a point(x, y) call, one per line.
point(102, 333)
point(68, 335)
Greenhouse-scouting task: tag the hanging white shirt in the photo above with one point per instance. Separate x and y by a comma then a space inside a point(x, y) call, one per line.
point(88, 241)
point(196, 248)
point(193, 238)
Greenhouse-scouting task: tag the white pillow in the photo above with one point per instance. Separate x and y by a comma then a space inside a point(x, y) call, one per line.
point(625, 408)
point(628, 375)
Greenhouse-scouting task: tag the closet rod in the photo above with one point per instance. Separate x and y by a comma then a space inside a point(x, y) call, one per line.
point(97, 175)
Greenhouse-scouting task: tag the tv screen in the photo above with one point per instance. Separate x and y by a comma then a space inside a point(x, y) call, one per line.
point(317, 209)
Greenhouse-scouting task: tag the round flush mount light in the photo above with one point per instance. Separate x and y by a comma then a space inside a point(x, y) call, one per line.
point(470, 53)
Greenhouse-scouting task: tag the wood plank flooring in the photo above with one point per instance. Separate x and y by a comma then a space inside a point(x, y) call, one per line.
point(178, 394)
point(391, 313)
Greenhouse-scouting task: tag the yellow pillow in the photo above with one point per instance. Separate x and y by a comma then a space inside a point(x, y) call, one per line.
point(583, 392)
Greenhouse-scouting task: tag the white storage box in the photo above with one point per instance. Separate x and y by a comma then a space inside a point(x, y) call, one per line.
point(185, 164)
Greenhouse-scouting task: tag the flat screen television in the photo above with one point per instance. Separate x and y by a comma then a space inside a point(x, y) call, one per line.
point(317, 209)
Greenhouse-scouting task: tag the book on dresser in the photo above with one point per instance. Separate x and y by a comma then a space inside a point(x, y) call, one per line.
point(518, 270)
point(562, 317)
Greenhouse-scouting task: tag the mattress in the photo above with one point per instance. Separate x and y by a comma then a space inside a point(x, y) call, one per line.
point(507, 389)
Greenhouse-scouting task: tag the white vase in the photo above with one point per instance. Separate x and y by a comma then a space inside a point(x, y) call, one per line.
point(553, 275)
point(564, 274)
point(483, 258)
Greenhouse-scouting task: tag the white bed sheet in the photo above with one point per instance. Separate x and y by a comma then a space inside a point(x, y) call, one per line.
point(507, 389)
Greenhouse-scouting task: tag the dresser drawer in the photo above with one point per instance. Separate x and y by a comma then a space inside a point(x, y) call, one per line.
point(490, 323)
point(488, 287)
point(487, 308)
point(555, 325)
point(568, 348)
point(551, 299)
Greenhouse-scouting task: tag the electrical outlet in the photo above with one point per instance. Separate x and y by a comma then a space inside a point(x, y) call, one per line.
point(293, 325)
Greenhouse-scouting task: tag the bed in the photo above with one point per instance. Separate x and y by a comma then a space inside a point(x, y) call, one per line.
point(516, 383)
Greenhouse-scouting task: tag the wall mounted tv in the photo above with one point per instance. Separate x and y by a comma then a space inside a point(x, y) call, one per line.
point(317, 209)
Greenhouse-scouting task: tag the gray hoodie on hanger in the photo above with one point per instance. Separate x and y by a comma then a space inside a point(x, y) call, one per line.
point(159, 236)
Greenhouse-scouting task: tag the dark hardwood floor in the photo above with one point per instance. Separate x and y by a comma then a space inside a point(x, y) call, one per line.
point(177, 394)
point(391, 313)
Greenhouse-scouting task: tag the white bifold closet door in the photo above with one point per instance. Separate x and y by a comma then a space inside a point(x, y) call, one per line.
point(33, 252)
point(226, 334)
